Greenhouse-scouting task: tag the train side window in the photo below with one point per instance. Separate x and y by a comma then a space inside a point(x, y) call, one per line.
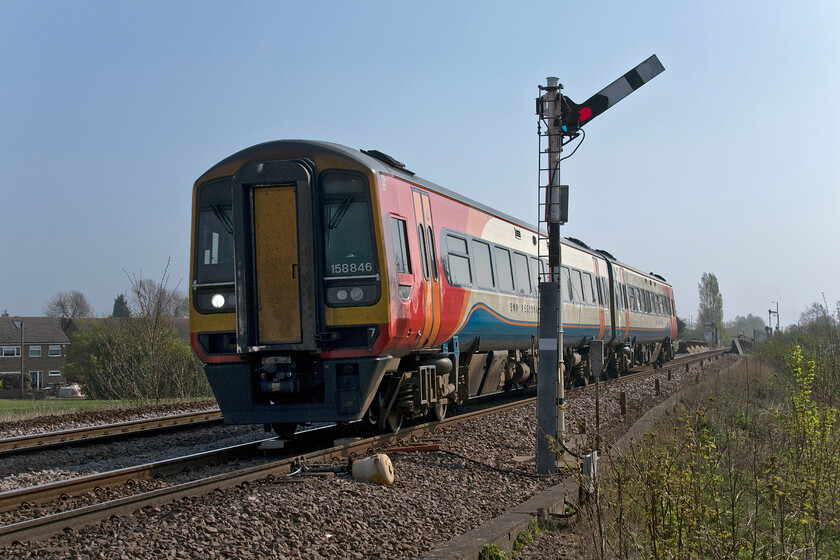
point(605, 294)
point(577, 287)
point(633, 303)
point(424, 261)
point(483, 265)
point(433, 254)
point(617, 291)
point(398, 230)
point(588, 294)
point(624, 295)
point(566, 283)
point(535, 275)
point(459, 261)
point(648, 306)
point(504, 269)
point(523, 278)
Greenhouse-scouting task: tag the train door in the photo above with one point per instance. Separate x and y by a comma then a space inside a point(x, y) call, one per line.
point(621, 292)
point(273, 258)
point(599, 297)
point(429, 266)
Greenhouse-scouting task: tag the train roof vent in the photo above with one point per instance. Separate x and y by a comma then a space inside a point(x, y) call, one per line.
point(517, 234)
point(385, 158)
point(658, 276)
point(579, 242)
point(605, 253)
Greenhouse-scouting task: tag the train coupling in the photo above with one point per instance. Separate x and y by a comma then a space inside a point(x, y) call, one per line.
point(276, 375)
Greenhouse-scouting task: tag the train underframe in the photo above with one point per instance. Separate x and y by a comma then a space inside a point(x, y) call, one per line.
point(296, 388)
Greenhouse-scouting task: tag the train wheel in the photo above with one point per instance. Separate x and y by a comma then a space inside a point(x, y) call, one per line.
point(438, 411)
point(393, 421)
point(285, 430)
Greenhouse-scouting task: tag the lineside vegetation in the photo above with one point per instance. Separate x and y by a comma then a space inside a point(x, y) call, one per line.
point(138, 356)
point(748, 466)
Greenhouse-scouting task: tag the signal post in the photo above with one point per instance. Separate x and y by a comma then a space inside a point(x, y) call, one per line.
point(551, 388)
point(563, 118)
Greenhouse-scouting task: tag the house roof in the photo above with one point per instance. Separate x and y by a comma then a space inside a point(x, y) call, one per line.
point(43, 330)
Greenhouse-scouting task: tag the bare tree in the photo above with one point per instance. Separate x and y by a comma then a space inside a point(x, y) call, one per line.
point(172, 303)
point(139, 357)
point(68, 305)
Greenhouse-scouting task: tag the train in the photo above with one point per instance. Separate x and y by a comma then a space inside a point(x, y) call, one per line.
point(330, 284)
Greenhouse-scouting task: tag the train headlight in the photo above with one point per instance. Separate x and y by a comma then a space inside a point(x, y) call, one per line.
point(214, 302)
point(356, 294)
point(341, 295)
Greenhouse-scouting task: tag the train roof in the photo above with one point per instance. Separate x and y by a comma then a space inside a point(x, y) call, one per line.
point(384, 163)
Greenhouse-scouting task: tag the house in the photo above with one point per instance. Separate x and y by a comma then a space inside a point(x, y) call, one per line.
point(42, 353)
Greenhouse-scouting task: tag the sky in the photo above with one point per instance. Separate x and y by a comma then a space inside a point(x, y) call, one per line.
point(728, 162)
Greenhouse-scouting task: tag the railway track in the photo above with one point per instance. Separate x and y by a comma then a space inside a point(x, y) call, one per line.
point(107, 432)
point(273, 469)
point(277, 469)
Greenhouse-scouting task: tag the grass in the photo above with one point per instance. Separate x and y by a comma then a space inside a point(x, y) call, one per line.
point(21, 409)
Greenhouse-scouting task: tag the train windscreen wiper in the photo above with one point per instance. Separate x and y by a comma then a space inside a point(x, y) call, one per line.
point(339, 214)
point(223, 217)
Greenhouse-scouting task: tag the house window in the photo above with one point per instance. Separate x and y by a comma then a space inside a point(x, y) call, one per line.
point(11, 351)
point(34, 351)
point(55, 373)
point(55, 351)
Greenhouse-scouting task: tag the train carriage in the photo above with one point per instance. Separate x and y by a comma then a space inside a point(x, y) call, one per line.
point(330, 284)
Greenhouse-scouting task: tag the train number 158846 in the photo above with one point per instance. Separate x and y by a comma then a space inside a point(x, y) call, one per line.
point(351, 268)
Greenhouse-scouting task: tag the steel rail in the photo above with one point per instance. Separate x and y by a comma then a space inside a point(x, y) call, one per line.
point(24, 497)
point(107, 432)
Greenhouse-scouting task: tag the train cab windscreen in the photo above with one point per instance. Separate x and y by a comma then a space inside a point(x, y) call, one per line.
point(351, 268)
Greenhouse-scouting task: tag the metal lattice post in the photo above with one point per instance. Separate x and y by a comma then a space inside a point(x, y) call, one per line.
point(551, 391)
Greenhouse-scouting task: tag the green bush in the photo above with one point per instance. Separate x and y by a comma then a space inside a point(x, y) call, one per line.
point(748, 469)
